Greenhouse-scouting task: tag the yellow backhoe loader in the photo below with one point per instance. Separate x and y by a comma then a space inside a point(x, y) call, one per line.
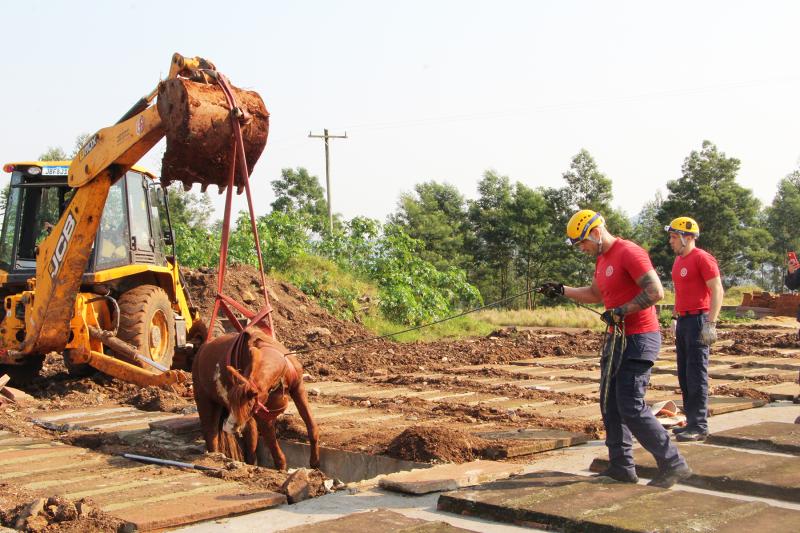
point(87, 261)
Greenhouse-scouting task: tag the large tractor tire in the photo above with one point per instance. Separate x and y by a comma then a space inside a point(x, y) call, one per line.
point(146, 322)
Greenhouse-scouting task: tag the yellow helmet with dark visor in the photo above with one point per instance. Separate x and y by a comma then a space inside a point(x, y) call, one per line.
point(581, 224)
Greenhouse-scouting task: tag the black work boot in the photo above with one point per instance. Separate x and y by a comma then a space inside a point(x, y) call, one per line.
point(693, 435)
point(679, 429)
point(669, 477)
point(618, 475)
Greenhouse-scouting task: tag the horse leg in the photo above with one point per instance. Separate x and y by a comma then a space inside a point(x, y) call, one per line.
point(301, 402)
point(250, 442)
point(209, 413)
point(271, 440)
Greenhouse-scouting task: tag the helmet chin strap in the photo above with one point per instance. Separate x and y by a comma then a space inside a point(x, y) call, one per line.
point(683, 243)
point(598, 242)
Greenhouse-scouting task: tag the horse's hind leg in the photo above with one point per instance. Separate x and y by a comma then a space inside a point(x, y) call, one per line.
point(267, 430)
point(301, 402)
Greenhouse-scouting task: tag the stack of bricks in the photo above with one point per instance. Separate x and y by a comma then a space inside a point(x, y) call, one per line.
point(778, 304)
point(787, 305)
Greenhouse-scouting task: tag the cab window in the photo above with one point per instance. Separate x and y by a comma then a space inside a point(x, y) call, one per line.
point(114, 238)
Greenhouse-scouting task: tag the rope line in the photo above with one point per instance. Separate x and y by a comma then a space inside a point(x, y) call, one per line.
point(429, 324)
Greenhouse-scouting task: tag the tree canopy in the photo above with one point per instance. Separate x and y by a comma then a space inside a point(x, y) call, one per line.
point(728, 214)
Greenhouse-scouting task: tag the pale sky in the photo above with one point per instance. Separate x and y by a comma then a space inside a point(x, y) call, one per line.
point(433, 90)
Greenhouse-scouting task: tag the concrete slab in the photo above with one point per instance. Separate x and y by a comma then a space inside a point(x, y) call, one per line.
point(730, 470)
point(147, 497)
point(103, 418)
point(780, 391)
point(778, 437)
point(718, 405)
point(155, 514)
point(751, 373)
point(565, 502)
point(178, 425)
point(448, 477)
point(381, 520)
point(529, 441)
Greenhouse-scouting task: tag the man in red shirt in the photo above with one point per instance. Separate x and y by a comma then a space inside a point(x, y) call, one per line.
point(698, 299)
point(626, 283)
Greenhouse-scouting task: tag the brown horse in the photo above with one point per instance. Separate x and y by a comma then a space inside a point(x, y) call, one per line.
point(241, 385)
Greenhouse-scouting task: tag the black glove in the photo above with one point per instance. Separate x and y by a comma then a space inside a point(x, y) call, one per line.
point(612, 317)
point(551, 289)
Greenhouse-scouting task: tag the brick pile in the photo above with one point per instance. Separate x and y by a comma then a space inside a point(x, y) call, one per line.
point(772, 304)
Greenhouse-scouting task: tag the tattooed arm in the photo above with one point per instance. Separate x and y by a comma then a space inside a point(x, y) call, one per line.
point(652, 292)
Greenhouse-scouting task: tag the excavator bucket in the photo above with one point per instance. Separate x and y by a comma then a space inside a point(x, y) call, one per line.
point(196, 118)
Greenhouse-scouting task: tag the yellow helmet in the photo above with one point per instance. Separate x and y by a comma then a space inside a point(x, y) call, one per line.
point(684, 226)
point(581, 224)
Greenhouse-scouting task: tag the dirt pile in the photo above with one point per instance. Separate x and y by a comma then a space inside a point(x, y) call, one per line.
point(750, 342)
point(21, 510)
point(304, 326)
point(300, 323)
point(435, 445)
point(157, 399)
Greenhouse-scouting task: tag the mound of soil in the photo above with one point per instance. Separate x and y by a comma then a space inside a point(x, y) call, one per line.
point(21, 510)
point(435, 445)
point(750, 338)
point(305, 327)
point(727, 390)
point(299, 321)
point(157, 399)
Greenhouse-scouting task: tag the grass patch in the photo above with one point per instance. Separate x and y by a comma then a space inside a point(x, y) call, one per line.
point(729, 317)
point(560, 316)
point(733, 295)
point(344, 295)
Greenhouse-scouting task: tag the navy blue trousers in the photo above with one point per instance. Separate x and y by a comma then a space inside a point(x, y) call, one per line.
point(627, 415)
point(692, 357)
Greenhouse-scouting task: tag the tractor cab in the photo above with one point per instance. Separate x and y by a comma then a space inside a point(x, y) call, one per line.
point(134, 228)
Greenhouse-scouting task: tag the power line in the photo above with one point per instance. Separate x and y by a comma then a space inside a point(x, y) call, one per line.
point(327, 136)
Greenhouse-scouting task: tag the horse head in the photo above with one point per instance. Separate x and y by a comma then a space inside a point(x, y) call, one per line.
point(242, 396)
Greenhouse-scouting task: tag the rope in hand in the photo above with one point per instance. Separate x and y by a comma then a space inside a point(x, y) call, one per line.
point(609, 362)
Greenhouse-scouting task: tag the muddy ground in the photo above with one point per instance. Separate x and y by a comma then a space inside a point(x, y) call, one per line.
point(442, 433)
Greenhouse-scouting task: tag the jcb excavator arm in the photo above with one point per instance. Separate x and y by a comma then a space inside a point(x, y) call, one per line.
point(64, 254)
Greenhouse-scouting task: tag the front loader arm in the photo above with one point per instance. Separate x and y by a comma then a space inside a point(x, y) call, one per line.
point(64, 254)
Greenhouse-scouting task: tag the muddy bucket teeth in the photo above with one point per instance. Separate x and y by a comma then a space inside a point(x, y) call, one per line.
point(196, 119)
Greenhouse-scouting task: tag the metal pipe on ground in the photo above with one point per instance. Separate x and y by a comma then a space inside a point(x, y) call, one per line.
point(168, 462)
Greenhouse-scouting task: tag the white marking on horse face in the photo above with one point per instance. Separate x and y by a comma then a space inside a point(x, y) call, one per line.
point(220, 388)
point(230, 424)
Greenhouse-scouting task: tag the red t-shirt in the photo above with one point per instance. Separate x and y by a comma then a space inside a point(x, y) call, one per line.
point(615, 274)
point(690, 274)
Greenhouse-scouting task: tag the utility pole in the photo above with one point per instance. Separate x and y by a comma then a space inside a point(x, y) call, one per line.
point(327, 136)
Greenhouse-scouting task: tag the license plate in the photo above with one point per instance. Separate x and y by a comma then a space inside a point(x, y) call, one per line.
point(55, 171)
